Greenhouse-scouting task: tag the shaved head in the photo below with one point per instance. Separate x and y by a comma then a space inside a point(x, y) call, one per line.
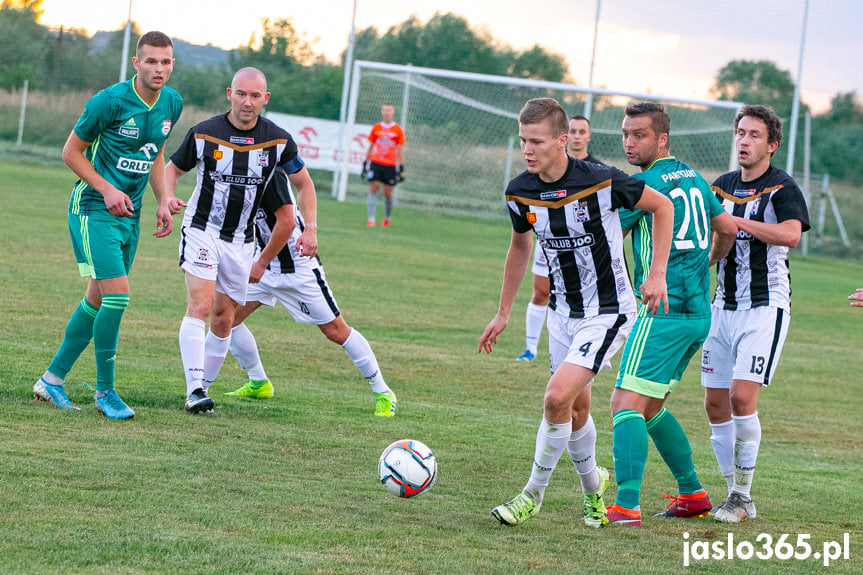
point(249, 73)
point(248, 96)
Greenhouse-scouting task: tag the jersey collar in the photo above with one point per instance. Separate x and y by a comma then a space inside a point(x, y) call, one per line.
point(149, 107)
point(659, 160)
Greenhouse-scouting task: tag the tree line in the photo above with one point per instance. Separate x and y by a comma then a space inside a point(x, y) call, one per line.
point(303, 82)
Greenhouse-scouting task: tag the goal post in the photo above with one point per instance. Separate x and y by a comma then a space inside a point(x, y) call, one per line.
point(462, 133)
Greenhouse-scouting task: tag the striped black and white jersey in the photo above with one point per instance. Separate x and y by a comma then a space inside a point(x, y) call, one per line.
point(576, 225)
point(755, 273)
point(279, 193)
point(233, 169)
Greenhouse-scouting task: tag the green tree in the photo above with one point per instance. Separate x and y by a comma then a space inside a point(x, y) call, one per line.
point(281, 49)
point(837, 136)
point(203, 87)
point(844, 109)
point(23, 44)
point(69, 61)
point(755, 82)
point(536, 62)
point(447, 41)
point(300, 82)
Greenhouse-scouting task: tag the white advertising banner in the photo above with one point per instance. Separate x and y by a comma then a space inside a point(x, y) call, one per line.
point(318, 141)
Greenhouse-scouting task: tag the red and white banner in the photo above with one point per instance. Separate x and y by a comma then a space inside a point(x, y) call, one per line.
point(318, 141)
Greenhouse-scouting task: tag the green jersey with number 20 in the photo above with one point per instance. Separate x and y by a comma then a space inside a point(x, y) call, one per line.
point(125, 135)
point(688, 274)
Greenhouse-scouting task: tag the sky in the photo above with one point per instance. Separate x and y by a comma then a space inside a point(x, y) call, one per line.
point(663, 47)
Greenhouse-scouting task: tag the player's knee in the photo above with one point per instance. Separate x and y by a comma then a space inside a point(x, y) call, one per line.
point(539, 298)
point(718, 407)
point(579, 416)
point(334, 334)
point(557, 401)
point(742, 404)
point(198, 310)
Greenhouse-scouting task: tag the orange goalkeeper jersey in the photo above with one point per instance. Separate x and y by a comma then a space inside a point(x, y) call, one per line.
point(385, 138)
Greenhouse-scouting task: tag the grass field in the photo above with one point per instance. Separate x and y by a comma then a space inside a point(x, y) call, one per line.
point(289, 485)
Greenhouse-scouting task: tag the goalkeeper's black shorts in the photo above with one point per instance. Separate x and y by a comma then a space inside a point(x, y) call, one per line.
point(385, 174)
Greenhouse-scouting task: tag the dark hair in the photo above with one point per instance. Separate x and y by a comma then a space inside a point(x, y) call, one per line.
point(580, 117)
point(766, 115)
point(660, 123)
point(156, 39)
point(538, 110)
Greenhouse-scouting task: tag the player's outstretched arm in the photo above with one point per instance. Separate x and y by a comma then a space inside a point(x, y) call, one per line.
point(654, 290)
point(285, 224)
point(167, 204)
point(307, 244)
point(857, 298)
point(517, 256)
point(117, 202)
point(724, 235)
point(785, 233)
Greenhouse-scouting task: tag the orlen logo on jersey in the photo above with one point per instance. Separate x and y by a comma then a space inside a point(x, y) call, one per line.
point(134, 166)
point(570, 243)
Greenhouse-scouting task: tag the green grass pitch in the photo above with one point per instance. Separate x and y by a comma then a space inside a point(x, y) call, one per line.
point(289, 485)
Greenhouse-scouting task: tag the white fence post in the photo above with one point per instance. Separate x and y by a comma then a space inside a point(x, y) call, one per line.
point(21, 117)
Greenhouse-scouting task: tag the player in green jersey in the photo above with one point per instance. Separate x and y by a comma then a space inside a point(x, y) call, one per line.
point(659, 348)
point(115, 148)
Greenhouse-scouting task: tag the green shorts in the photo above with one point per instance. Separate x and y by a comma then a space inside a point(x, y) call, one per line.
point(657, 352)
point(104, 245)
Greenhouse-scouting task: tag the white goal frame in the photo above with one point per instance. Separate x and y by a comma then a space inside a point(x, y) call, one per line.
point(412, 78)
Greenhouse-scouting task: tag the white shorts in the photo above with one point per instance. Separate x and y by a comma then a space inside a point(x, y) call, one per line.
point(589, 342)
point(304, 293)
point(540, 264)
point(743, 344)
point(205, 256)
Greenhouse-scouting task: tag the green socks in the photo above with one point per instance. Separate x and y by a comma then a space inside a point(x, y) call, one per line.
point(106, 332)
point(673, 446)
point(79, 332)
point(630, 456)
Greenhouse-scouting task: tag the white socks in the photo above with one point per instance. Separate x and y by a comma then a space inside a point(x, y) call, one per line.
point(244, 348)
point(582, 451)
point(747, 430)
point(215, 350)
point(360, 352)
point(722, 439)
point(534, 319)
point(735, 444)
point(551, 440)
point(192, 333)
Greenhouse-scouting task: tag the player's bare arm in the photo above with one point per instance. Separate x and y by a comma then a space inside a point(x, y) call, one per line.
point(723, 237)
point(167, 204)
point(307, 244)
point(857, 298)
point(785, 233)
point(520, 246)
point(654, 290)
point(117, 202)
point(285, 224)
point(172, 177)
point(400, 160)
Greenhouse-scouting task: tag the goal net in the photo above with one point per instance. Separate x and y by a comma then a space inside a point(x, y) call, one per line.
point(462, 132)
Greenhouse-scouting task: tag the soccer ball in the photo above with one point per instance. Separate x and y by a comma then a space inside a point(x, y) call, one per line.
point(407, 468)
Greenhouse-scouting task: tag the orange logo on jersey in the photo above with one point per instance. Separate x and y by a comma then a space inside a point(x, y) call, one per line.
point(217, 154)
point(531, 217)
